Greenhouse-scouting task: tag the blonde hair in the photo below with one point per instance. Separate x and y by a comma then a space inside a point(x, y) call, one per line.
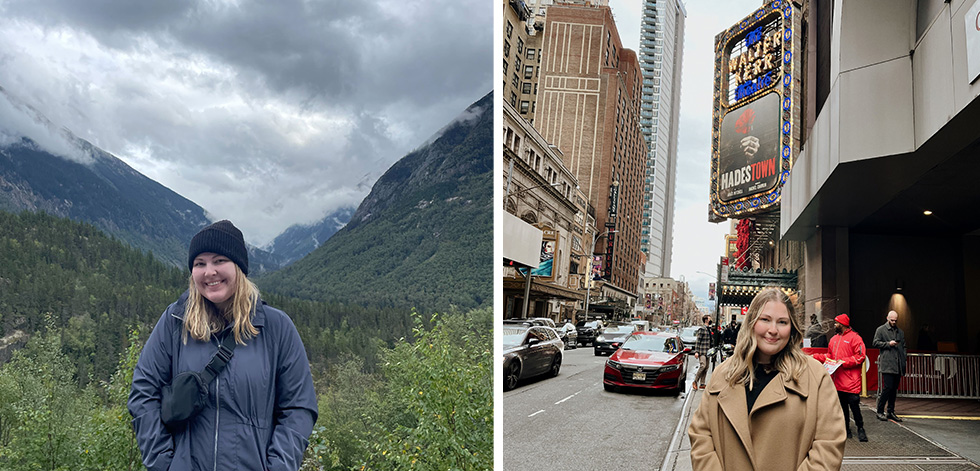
point(790, 360)
point(201, 316)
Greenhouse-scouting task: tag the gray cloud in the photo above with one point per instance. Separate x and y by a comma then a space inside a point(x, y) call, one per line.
point(30, 124)
point(268, 113)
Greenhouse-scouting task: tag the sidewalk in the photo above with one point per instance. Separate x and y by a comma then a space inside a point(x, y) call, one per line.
point(937, 434)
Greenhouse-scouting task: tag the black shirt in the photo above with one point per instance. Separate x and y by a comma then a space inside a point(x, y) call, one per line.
point(761, 380)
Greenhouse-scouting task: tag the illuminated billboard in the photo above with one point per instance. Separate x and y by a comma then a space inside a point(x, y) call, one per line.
point(755, 126)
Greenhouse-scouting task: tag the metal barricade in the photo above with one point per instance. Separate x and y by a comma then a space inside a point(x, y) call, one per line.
point(941, 376)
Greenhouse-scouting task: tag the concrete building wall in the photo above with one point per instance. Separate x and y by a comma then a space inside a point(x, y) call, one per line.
point(542, 192)
point(522, 58)
point(888, 96)
point(898, 127)
point(538, 187)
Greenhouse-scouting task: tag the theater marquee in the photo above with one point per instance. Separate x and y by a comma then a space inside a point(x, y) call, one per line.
point(755, 127)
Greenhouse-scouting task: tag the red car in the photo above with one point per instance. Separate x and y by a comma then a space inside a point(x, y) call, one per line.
point(652, 360)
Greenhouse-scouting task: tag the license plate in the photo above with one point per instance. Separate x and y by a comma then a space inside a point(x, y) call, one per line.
point(639, 376)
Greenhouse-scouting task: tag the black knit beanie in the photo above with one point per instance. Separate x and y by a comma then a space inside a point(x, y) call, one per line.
point(222, 238)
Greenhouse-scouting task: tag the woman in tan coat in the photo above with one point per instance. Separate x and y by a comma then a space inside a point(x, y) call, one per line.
point(769, 406)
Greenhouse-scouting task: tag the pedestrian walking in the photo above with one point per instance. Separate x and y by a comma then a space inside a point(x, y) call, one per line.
point(223, 379)
point(769, 406)
point(701, 346)
point(844, 357)
point(890, 340)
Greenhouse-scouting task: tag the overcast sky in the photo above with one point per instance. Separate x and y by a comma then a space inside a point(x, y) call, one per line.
point(698, 244)
point(265, 113)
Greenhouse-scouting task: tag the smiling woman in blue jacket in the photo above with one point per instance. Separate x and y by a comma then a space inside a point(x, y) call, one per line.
point(261, 407)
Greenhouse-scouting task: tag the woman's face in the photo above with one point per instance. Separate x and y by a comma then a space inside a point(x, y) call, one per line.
point(772, 330)
point(215, 277)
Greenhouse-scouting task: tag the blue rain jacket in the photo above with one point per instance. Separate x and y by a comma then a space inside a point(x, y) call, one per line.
point(262, 406)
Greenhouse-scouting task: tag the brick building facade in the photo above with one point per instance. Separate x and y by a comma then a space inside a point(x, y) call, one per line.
point(588, 105)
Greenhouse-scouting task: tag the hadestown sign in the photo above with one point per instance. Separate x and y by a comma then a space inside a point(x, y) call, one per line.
point(755, 125)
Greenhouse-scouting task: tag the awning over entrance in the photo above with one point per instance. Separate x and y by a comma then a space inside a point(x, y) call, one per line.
point(743, 285)
point(542, 290)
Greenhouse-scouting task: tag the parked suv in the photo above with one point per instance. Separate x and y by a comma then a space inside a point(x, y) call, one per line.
point(587, 332)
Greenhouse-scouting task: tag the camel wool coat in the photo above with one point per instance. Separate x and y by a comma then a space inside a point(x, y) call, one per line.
point(793, 425)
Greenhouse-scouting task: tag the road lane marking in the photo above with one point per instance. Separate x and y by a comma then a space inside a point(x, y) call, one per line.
point(567, 398)
point(536, 413)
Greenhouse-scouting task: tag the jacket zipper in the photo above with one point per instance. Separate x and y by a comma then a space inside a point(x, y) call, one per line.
point(217, 409)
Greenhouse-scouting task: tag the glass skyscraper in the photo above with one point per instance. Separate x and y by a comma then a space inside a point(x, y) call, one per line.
point(661, 54)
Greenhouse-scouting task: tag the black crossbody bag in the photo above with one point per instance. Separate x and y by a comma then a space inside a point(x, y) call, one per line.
point(187, 394)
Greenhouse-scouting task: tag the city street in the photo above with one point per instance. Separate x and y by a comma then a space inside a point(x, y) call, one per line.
point(570, 422)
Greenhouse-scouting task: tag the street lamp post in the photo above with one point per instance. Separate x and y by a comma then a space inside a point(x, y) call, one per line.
point(588, 275)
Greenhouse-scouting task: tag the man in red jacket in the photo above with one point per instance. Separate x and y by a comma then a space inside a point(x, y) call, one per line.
point(846, 353)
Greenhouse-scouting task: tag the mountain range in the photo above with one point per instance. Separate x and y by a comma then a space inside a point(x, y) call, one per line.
point(422, 237)
point(298, 240)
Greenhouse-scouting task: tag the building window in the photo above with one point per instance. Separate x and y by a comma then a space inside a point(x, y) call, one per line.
point(520, 46)
point(517, 63)
point(525, 106)
point(510, 29)
point(513, 99)
point(528, 71)
point(530, 54)
point(505, 67)
point(515, 80)
point(506, 48)
point(526, 87)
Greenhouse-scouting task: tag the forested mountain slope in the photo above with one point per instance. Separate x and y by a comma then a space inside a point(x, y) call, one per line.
point(422, 238)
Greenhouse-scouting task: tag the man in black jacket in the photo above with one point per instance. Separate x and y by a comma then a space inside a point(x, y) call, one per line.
point(891, 364)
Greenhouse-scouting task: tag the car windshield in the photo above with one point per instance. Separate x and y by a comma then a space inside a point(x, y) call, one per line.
point(689, 331)
point(618, 330)
point(513, 336)
point(648, 343)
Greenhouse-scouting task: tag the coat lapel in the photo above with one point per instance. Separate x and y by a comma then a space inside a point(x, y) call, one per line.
point(776, 390)
point(733, 404)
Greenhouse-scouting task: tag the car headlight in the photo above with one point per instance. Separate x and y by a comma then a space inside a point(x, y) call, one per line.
point(614, 364)
point(668, 368)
